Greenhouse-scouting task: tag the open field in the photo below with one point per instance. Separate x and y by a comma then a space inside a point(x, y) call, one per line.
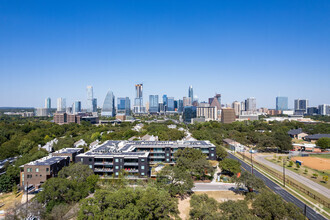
point(9, 200)
point(314, 162)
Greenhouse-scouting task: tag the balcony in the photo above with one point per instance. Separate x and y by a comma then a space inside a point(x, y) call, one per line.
point(103, 170)
point(131, 164)
point(103, 163)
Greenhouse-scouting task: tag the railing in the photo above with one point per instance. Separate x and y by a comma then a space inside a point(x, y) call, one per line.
point(102, 170)
point(103, 163)
point(131, 164)
point(291, 183)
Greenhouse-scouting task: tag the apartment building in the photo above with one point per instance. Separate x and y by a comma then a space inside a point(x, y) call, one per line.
point(137, 157)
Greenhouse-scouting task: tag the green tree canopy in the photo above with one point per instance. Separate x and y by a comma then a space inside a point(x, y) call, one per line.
point(221, 152)
point(230, 165)
point(323, 143)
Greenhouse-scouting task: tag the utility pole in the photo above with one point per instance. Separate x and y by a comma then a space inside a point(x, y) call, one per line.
point(284, 172)
point(27, 198)
point(251, 161)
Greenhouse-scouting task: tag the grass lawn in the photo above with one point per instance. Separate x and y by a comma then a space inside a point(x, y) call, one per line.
point(326, 156)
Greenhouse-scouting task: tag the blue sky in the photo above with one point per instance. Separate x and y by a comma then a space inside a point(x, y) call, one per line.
point(237, 48)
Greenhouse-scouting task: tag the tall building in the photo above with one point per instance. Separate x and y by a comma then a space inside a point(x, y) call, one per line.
point(281, 103)
point(191, 93)
point(187, 101)
point(312, 110)
point(76, 107)
point(237, 108)
point(90, 97)
point(251, 104)
point(243, 106)
point(228, 115)
point(180, 105)
point(61, 104)
point(300, 106)
point(41, 112)
point(189, 112)
point(108, 108)
point(209, 113)
point(153, 103)
point(94, 105)
point(138, 102)
point(170, 104)
point(124, 105)
point(48, 103)
point(165, 102)
point(324, 109)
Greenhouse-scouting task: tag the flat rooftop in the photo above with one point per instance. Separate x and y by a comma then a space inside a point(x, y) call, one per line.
point(68, 150)
point(46, 161)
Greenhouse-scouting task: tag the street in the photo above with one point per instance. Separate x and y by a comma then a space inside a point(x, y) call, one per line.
point(310, 213)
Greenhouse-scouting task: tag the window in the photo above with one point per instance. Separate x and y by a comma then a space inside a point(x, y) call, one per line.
point(37, 170)
point(167, 160)
point(212, 148)
point(142, 174)
point(212, 155)
point(47, 169)
point(117, 167)
point(142, 167)
point(81, 159)
point(116, 173)
point(90, 159)
point(116, 160)
point(29, 169)
point(91, 166)
point(142, 160)
point(40, 175)
point(23, 176)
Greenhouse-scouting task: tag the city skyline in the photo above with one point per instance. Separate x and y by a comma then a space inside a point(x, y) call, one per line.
point(238, 49)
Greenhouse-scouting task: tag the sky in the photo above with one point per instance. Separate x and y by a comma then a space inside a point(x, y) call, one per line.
point(238, 48)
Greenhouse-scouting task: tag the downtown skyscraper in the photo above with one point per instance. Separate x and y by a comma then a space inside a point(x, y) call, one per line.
point(281, 103)
point(108, 109)
point(191, 93)
point(138, 101)
point(91, 101)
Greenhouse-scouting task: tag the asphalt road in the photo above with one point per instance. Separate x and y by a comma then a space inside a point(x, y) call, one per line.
point(311, 184)
point(310, 213)
point(213, 187)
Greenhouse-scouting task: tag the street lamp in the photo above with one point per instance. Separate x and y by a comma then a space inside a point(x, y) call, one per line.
point(251, 161)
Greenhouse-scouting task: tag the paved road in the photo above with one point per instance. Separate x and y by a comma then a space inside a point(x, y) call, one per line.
point(213, 187)
point(310, 213)
point(309, 183)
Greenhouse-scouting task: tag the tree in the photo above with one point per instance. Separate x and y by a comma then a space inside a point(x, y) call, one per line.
point(25, 146)
point(230, 165)
point(297, 165)
point(315, 175)
point(282, 141)
point(76, 171)
point(236, 210)
point(323, 143)
point(6, 183)
point(221, 152)
point(249, 181)
point(290, 163)
point(129, 203)
point(325, 178)
point(175, 180)
point(268, 205)
point(95, 136)
point(203, 207)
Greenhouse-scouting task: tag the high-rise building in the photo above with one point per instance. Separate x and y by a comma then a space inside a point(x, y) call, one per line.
point(300, 106)
point(187, 101)
point(209, 113)
point(175, 105)
point(90, 99)
point(123, 106)
point(153, 103)
point(189, 112)
point(281, 103)
point(170, 104)
point(180, 105)
point(251, 104)
point(165, 102)
point(191, 93)
point(138, 102)
point(94, 105)
point(237, 108)
point(108, 108)
point(312, 111)
point(324, 109)
point(76, 107)
point(61, 104)
point(243, 106)
point(48, 103)
point(228, 115)
point(41, 112)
